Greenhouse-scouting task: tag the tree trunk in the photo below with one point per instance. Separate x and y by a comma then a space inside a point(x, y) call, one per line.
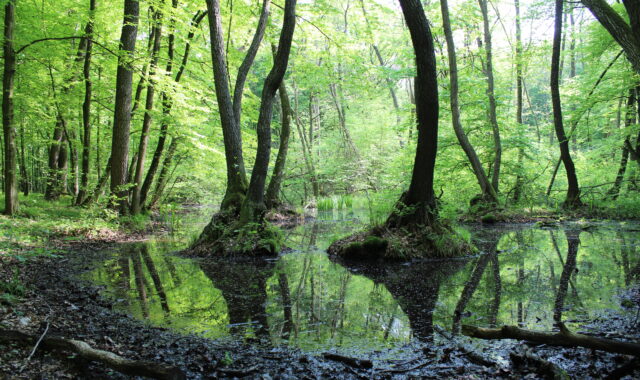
point(420, 197)
point(253, 207)
point(517, 193)
point(487, 189)
point(573, 192)
point(86, 107)
point(492, 111)
point(167, 102)
point(100, 186)
point(236, 176)
point(122, 117)
point(243, 71)
point(273, 191)
point(630, 119)
point(626, 35)
point(163, 177)
point(136, 205)
point(8, 127)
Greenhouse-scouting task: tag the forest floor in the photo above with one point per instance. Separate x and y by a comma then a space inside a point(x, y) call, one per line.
point(53, 298)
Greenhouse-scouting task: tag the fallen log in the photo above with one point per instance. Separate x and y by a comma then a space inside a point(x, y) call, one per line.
point(564, 338)
point(85, 351)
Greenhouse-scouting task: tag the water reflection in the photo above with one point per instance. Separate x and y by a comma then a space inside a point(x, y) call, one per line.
point(527, 276)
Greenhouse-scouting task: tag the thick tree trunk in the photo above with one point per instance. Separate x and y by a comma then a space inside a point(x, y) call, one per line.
point(627, 36)
point(122, 118)
point(573, 192)
point(272, 198)
point(492, 111)
point(8, 127)
point(486, 187)
point(136, 205)
point(253, 207)
point(86, 107)
point(236, 175)
point(420, 197)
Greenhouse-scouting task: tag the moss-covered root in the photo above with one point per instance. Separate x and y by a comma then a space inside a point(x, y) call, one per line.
point(228, 237)
point(400, 245)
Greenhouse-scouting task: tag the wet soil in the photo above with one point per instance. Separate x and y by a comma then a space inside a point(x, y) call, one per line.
point(75, 309)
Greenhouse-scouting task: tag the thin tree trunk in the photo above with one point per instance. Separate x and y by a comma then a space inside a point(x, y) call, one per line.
point(8, 127)
point(517, 193)
point(243, 71)
point(163, 177)
point(573, 192)
point(122, 117)
point(253, 207)
point(487, 189)
point(167, 101)
point(24, 177)
point(149, 103)
point(306, 151)
point(100, 186)
point(493, 117)
point(272, 198)
point(86, 107)
point(614, 192)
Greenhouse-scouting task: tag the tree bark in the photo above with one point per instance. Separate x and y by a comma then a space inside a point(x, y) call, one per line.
point(247, 62)
point(8, 127)
point(253, 207)
point(272, 198)
point(86, 106)
point(420, 197)
point(486, 187)
point(614, 192)
point(573, 193)
point(492, 111)
point(517, 193)
point(122, 117)
point(163, 177)
point(564, 338)
point(626, 35)
point(136, 205)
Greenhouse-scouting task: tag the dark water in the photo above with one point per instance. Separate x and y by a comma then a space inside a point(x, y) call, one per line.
point(525, 276)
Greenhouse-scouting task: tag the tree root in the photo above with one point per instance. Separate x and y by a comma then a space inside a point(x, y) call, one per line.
point(85, 351)
point(564, 338)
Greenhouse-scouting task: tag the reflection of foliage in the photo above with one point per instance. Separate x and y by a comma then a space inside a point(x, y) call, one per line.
point(315, 304)
point(530, 272)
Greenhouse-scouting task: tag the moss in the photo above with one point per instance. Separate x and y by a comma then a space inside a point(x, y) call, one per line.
point(489, 218)
point(401, 245)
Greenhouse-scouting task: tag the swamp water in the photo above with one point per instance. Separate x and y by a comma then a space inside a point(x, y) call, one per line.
point(525, 276)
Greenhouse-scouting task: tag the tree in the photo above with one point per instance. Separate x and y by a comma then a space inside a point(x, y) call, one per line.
point(8, 127)
point(86, 106)
point(573, 192)
point(122, 116)
point(627, 35)
point(240, 208)
point(488, 190)
point(492, 111)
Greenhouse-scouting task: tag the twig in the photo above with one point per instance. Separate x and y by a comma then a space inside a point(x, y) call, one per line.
point(35, 347)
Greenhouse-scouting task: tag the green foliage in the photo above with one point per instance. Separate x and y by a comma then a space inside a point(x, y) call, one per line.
point(12, 289)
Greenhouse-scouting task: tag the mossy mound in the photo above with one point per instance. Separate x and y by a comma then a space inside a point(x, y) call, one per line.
point(225, 236)
point(400, 244)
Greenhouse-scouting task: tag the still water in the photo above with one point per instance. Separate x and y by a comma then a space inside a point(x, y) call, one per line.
point(525, 275)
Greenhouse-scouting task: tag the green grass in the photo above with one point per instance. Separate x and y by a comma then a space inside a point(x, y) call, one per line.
point(29, 233)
